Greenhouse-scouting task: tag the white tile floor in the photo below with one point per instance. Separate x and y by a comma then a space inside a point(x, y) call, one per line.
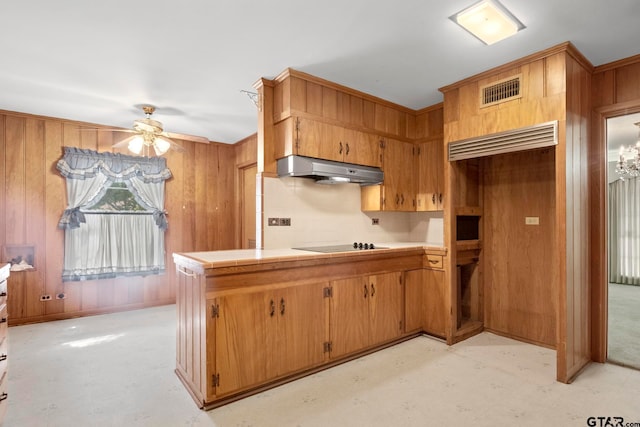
point(117, 370)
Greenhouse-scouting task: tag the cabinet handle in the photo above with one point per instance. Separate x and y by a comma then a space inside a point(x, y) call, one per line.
point(3, 358)
point(366, 290)
point(347, 145)
point(340, 150)
point(402, 199)
point(180, 270)
point(3, 320)
point(373, 290)
point(433, 198)
point(281, 306)
point(397, 199)
point(3, 396)
point(440, 198)
point(272, 308)
point(3, 294)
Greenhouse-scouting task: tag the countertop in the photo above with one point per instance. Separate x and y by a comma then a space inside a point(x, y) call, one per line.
point(237, 257)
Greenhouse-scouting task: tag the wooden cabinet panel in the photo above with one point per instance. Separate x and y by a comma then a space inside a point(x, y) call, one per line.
point(435, 313)
point(413, 290)
point(362, 148)
point(241, 340)
point(349, 329)
point(385, 307)
point(262, 335)
point(398, 192)
point(302, 328)
point(431, 176)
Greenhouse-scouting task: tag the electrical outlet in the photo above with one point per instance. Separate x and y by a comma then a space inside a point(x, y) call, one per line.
point(273, 221)
point(375, 221)
point(45, 297)
point(285, 222)
point(532, 220)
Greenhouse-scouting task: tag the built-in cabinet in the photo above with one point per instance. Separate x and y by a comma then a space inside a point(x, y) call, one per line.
point(262, 335)
point(4, 275)
point(318, 139)
point(430, 180)
point(426, 298)
point(249, 326)
point(365, 311)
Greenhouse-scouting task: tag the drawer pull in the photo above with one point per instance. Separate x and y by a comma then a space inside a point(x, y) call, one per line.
point(3, 357)
point(3, 396)
point(3, 320)
point(272, 308)
point(433, 261)
point(3, 294)
point(281, 306)
point(180, 270)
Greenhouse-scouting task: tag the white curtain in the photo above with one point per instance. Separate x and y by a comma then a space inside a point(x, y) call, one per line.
point(624, 231)
point(105, 245)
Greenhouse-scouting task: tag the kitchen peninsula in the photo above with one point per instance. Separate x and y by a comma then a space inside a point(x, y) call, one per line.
point(249, 320)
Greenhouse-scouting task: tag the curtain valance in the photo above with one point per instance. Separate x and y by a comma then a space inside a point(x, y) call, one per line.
point(80, 163)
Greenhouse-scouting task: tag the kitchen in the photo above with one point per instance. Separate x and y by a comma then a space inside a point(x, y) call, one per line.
point(91, 298)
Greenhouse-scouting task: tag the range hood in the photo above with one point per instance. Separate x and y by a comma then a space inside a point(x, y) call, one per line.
point(329, 172)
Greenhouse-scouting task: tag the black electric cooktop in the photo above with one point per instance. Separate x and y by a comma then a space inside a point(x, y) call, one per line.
point(342, 248)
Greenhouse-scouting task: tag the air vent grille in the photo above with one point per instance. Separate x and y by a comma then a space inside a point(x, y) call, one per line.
point(504, 90)
point(527, 138)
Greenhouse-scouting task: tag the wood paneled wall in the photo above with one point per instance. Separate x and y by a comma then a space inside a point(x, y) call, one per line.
point(519, 287)
point(199, 200)
point(616, 91)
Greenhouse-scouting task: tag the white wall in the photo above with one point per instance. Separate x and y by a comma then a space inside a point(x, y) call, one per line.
point(330, 214)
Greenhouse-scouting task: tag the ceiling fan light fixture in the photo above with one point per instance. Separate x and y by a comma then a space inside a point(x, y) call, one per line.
point(161, 145)
point(489, 21)
point(136, 144)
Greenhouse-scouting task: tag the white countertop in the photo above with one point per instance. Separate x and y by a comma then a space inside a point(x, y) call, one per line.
point(211, 259)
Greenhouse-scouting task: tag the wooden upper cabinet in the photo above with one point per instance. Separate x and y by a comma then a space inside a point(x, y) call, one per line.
point(321, 140)
point(430, 193)
point(398, 191)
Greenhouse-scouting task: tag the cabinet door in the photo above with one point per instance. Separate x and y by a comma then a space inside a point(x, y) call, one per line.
point(242, 332)
point(435, 310)
point(431, 176)
point(398, 166)
point(362, 148)
point(319, 140)
point(349, 314)
point(413, 284)
point(302, 328)
point(385, 307)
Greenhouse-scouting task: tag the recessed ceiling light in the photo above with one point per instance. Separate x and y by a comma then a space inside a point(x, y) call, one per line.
point(488, 20)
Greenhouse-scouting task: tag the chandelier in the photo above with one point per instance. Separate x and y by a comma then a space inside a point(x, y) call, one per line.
point(629, 162)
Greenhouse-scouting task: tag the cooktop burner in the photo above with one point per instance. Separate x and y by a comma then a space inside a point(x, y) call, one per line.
point(356, 246)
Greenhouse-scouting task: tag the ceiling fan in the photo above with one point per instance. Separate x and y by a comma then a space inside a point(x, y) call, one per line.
point(148, 133)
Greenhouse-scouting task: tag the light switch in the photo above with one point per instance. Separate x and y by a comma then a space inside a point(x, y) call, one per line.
point(532, 220)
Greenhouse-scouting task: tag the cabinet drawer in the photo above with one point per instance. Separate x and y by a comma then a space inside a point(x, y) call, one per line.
point(3, 292)
point(3, 320)
point(434, 261)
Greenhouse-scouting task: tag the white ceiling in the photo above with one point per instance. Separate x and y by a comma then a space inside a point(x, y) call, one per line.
point(99, 61)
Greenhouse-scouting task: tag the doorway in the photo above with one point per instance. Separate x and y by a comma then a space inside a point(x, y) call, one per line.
point(623, 243)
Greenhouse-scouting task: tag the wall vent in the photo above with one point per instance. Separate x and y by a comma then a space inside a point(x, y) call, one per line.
point(527, 138)
point(504, 90)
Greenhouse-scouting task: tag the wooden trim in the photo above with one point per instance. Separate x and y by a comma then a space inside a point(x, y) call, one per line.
point(616, 64)
point(434, 107)
point(567, 47)
point(290, 72)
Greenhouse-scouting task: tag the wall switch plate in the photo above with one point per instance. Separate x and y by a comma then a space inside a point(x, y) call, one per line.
point(273, 221)
point(532, 220)
point(375, 221)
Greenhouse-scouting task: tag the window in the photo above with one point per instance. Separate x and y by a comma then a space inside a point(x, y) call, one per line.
point(115, 222)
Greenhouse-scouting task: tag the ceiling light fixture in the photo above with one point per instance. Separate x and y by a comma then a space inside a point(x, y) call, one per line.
point(489, 21)
point(629, 166)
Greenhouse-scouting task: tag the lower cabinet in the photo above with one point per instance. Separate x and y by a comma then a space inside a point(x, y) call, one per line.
point(260, 336)
point(365, 311)
point(425, 302)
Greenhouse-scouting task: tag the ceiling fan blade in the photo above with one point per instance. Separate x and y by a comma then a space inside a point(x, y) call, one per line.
point(124, 142)
point(184, 137)
point(109, 129)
